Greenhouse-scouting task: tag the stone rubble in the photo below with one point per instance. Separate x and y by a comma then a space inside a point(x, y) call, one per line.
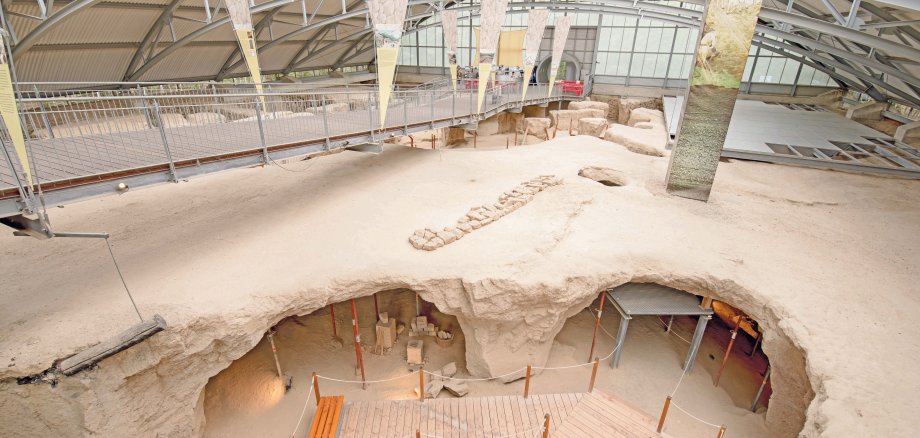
point(478, 217)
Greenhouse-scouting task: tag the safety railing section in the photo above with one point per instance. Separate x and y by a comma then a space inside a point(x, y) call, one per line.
point(82, 134)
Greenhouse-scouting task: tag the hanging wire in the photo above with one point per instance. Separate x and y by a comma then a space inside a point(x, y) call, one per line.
point(128, 291)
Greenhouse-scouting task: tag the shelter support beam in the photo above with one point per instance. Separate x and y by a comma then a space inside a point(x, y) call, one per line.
point(695, 342)
point(621, 337)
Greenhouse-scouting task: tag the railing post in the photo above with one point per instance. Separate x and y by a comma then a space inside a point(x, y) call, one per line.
point(146, 113)
point(44, 114)
point(172, 166)
point(325, 120)
point(546, 426)
point(316, 387)
point(431, 121)
point(453, 107)
point(593, 375)
point(421, 383)
point(664, 413)
point(405, 114)
point(261, 132)
point(527, 382)
point(370, 114)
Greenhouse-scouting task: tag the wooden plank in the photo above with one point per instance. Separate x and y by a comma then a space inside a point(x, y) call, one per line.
point(464, 428)
point(367, 430)
point(336, 416)
point(618, 413)
point(349, 426)
point(509, 415)
point(519, 424)
point(386, 417)
point(318, 417)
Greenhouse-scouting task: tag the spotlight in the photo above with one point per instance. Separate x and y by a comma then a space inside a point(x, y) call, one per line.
point(121, 187)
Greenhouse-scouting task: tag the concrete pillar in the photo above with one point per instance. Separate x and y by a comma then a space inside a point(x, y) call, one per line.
point(695, 342)
point(717, 70)
point(867, 110)
point(621, 339)
point(907, 132)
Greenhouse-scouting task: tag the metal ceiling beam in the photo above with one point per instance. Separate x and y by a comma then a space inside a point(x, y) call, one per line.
point(265, 21)
point(318, 38)
point(149, 37)
point(197, 33)
point(50, 23)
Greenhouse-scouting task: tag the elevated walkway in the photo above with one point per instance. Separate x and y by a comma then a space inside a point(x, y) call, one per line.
point(573, 415)
point(83, 144)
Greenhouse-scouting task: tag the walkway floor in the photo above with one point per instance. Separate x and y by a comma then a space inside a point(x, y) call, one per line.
point(571, 416)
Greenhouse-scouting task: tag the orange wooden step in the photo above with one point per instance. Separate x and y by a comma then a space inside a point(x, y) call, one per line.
point(328, 417)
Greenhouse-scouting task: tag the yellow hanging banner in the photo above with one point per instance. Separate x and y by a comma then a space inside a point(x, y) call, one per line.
point(386, 70)
point(453, 76)
point(528, 70)
point(250, 54)
point(11, 117)
point(485, 72)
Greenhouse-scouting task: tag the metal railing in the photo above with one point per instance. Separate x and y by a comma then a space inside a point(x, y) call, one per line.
point(82, 134)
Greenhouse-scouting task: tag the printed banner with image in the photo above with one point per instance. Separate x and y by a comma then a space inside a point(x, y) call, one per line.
point(560, 34)
point(242, 28)
point(449, 23)
point(387, 17)
point(536, 25)
point(491, 16)
point(10, 114)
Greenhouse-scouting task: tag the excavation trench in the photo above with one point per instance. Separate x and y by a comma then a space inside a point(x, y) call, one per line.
point(207, 375)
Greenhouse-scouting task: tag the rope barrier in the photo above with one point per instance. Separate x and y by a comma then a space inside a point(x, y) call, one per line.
point(304, 411)
point(717, 426)
point(476, 379)
point(367, 381)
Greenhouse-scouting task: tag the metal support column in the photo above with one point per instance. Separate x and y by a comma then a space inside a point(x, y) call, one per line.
point(621, 338)
point(763, 383)
point(695, 342)
point(261, 132)
point(172, 166)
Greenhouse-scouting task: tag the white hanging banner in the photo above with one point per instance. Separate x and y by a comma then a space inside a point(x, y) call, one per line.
point(10, 114)
point(387, 17)
point(449, 23)
point(536, 25)
point(491, 16)
point(242, 27)
point(560, 34)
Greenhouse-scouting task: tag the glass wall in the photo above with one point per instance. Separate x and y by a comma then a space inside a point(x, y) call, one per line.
point(628, 49)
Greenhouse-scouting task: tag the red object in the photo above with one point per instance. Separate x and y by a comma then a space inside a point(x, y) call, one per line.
point(574, 87)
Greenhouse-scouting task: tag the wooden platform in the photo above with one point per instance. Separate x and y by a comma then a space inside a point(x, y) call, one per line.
point(571, 416)
point(328, 417)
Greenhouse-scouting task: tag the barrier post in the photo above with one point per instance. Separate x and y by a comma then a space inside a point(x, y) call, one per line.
point(546, 426)
point(316, 387)
point(721, 432)
point(527, 382)
point(421, 383)
point(664, 413)
point(354, 323)
point(597, 323)
point(728, 351)
point(418, 433)
point(593, 375)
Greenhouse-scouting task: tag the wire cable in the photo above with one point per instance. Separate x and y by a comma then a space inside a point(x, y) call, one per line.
point(128, 291)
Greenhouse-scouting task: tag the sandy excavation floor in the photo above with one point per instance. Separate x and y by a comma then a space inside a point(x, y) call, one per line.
point(827, 261)
point(248, 400)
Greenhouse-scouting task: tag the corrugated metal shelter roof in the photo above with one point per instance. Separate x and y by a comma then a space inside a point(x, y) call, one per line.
point(870, 46)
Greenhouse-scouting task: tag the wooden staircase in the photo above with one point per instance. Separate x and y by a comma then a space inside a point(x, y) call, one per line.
point(328, 418)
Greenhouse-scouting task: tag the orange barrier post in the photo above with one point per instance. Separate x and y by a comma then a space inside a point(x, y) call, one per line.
point(354, 323)
point(335, 333)
point(593, 375)
point(597, 323)
point(664, 413)
point(421, 383)
point(316, 387)
point(728, 351)
point(546, 426)
point(418, 433)
point(721, 432)
point(527, 382)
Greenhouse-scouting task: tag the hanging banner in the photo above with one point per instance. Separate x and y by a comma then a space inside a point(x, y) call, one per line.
point(721, 54)
point(449, 23)
point(511, 48)
point(242, 28)
point(560, 34)
point(536, 25)
point(491, 16)
point(10, 114)
point(387, 17)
